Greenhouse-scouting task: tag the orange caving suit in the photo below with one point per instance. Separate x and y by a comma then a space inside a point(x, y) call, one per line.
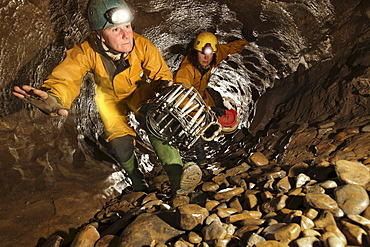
point(187, 73)
point(116, 94)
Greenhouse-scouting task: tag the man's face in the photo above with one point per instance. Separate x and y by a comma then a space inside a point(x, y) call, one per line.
point(120, 38)
point(204, 59)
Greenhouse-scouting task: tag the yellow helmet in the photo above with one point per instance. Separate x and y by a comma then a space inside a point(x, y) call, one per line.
point(206, 42)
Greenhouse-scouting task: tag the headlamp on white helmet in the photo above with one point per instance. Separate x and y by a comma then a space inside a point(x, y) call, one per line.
point(118, 15)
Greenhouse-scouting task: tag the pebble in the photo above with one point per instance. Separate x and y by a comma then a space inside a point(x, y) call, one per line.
point(352, 199)
point(87, 236)
point(321, 201)
point(352, 172)
point(258, 159)
point(191, 215)
point(282, 232)
point(228, 193)
point(253, 201)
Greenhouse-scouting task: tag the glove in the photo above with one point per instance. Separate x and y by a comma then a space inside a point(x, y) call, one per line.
point(219, 111)
point(161, 85)
point(248, 35)
point(49, 106)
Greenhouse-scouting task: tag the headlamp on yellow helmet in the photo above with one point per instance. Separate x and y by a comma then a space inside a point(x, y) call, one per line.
point(206, 43)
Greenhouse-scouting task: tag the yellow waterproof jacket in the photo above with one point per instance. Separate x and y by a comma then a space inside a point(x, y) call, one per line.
point(189, 74)
point(115, 95)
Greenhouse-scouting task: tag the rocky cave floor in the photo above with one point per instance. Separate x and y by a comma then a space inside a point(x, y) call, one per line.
point(297, 185)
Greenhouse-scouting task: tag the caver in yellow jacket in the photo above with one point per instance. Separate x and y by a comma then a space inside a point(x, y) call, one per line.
point(189, 74)
point(115, 94)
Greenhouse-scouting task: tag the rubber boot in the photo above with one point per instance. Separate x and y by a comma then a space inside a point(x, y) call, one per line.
point(136, 176)
point(200, 152)
point(174, 172)
point(190, 177)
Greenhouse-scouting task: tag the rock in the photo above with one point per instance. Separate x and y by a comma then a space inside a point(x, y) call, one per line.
point(311, 213)
point(108, 240)
point(250, 201)
point(307, 242)
point(210, 205)
point(235, 203)
point(215, 230)
point(352, 172)
point(360, 220)
point(271, 243)
point(244, 167)
point(86, 237)
point(258, 159)
point(243, 216)
point(306, 223)
point(191, 215)
point(310, 233)
point(366, 128)
point(283, 185)
point(210, 186)
point(352, 199)
point(194, 238)
point(53, 241)
point(228, 193)
point(275, 204)
point(331, 240)
point(225, 212)
point(282, 232)
point(252, 222)
point(354, 233)
point(298, 169)
point(328, 184)
point(301, 180)
point(338, 233)
point(271, 176)
point(147, 228)
point(180, 201)
point(325, 219)
point(254, 239)
point(321, 201)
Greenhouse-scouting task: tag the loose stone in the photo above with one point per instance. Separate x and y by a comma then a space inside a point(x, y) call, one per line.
point(352, 172)
point(352, 199)
point(210, 186)
point(258, 159)
point(331, 240)
point(191, 215)
point(360, 220)
point(283, 186)
point(275, 204)
point(325, 219)
point(321, 201)
point(301, 180)
point(282, 232)
point(225, 212)
point(244, 215)
point(271, 243)
point(86, 237)
point(307, 242)
point(354, 233)
point(250, 201)
point(334, 229)
point(228, 193)
point(194, 238)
